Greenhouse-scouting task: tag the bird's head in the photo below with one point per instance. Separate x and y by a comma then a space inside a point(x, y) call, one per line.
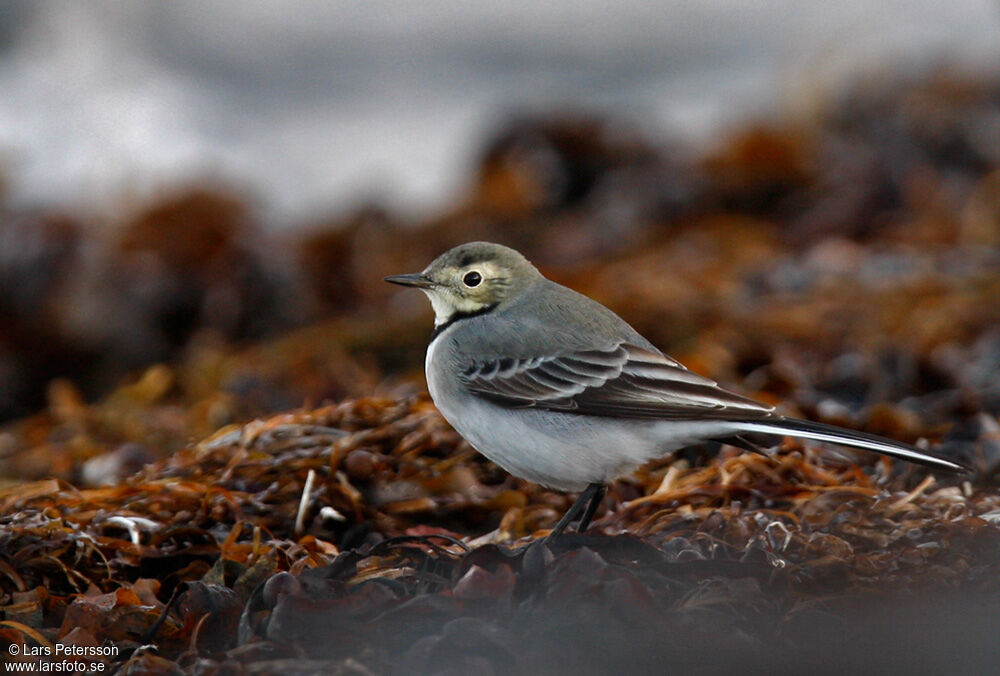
point(470, 279)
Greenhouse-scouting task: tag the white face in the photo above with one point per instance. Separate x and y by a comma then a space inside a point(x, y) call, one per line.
point(463, 290)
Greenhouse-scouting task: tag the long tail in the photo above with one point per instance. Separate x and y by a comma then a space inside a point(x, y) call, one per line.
point(806, 429)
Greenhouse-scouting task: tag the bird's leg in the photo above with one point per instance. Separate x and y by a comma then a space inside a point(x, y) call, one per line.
point(590, 498)
point(595, 502)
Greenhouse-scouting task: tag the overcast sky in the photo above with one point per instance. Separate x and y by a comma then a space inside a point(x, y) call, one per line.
point(316, 106)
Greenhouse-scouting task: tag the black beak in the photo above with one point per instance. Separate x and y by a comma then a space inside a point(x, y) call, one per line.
point(416, 279)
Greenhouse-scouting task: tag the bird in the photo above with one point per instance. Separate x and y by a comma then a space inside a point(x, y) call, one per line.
point(556, 388)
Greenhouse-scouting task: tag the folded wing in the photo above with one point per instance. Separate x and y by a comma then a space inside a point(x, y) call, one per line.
point(625, 381)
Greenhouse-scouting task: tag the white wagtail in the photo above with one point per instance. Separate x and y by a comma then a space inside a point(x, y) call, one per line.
point(557, 389)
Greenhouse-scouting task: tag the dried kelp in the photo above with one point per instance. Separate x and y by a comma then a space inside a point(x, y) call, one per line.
point(368, 531)
point(255, 508)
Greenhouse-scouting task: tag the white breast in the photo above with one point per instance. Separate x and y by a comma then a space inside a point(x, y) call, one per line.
point(432, 384)
point(429, 358)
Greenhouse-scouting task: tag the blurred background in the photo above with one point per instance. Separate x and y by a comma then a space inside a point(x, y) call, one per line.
point(198, 200)
point(327, 106)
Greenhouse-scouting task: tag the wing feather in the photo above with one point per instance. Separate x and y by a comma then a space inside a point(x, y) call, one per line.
point(625, 380)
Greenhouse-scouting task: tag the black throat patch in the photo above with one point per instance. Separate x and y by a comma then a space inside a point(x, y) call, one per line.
point(458, 316)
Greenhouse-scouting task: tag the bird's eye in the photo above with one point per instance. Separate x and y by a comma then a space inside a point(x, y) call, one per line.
point(472, 278)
